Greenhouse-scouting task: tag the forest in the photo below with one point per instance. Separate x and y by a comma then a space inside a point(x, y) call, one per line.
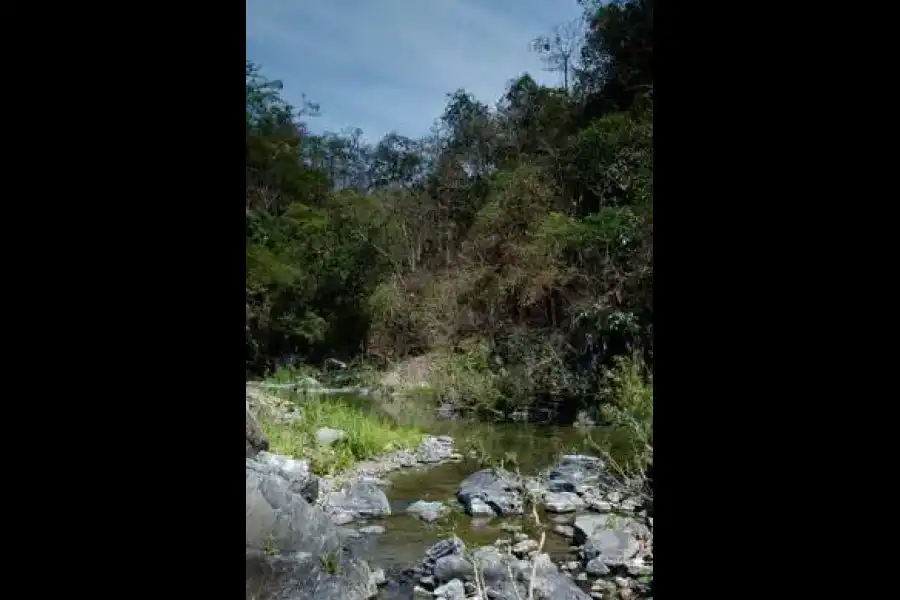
point(513, 245)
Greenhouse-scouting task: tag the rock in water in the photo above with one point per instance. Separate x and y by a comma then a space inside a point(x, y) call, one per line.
point(495, 487)
point(427, 511)
point(611, 538)
point(361, 499)
point(562, 502)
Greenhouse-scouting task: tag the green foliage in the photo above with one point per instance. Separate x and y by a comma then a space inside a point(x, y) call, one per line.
point(512, 245)
point(368, 433)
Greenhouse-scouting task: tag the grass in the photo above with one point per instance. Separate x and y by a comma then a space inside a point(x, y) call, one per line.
point(368, 433)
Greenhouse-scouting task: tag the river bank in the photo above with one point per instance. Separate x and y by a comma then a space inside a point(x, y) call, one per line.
point(390, 509)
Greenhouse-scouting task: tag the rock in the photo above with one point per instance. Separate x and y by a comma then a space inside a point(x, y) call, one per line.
point(524, 547)
point(562, 502)
point(575, 470)
point(335, 363)
point(342, 517)
point(327, 436)
point(608, 537)
point(309, 561)
point(495, 487)
point(420, 592)
point(361, 499)
point(452, 567)
point(599, 505)
point(378, 578)
point(581, 577)
point(622, 582)
point(295, 472)
point(427, 581)
point(638, 569)
point(452, 590)
point(372, 529)
point(255, 438)
point(478, 508)
point(564, 530)
point(572, 565)
point(435, 449)
point(428, 511)
point(596, 568)
point(448, 547)
point(519, 536)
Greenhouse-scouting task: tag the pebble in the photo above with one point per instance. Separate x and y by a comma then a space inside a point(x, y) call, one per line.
point(372, 529)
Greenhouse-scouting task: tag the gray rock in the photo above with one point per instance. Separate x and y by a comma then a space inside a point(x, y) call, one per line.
point(495, 487)
point(255, 439)
point(435, 449)
point(448, 547)
point(453, 567)
point(427, 581)
point(452, 590)
point(327, 436)
point(564, 530)
point(279, 518)
point(296, 473)
point(372, 529)
point(596, 567)
point(638, 569)
point(519, 536)
point(611, 538)
point(562, 502)
point(599, 505)
point(428, 511)
point(479, 508)
point(361, 499)
point(378, 577)
point(342, 517)
point(581, 577)
point(420, 592)
point(302, 537)
point(524, 547)
point(576, 470)
point(622, 582)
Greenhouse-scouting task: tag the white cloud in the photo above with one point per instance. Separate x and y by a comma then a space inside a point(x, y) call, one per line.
point(387, 65)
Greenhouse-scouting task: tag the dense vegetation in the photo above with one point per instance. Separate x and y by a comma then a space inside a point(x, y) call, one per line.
point(513, 245)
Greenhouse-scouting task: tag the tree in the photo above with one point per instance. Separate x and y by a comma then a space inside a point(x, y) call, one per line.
point(559, 50)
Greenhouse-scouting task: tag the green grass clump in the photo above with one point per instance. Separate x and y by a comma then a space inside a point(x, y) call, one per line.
point(368, 433)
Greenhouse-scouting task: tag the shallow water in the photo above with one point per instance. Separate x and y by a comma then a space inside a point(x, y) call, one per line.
point(406, 538)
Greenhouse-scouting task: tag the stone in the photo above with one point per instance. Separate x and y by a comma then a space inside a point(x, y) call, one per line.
point(295, 472)
point(327, 436)
point(428, 511)
point(372, 529)
point(564, 530)
point(495, 487)
point(581, 577)
point(622, 582)
point(478, 508)
point(596, 568)
point(435, 449)
point(575, 470)
point(452, 567)
point(378, 577)
point(342, 517)
point(420, 592)
point(524, 547)
point(361, 499)
point(609, 537)
point(562, 502)
point(452, 590)
point(599, 505)
point(520, 537)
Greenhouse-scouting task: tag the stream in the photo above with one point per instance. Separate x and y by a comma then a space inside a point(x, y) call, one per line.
point(406, 538)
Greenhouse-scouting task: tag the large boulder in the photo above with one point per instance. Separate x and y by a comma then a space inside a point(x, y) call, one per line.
point(612, 539)
point(497, 488)
point(293, 550)
point(256, 440)
point(359, 499)
point(295, 472)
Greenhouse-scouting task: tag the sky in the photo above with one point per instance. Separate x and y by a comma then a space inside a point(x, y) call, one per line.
point(388, 65)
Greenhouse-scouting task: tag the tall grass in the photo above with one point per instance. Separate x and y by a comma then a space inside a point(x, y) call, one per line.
point(368, 433)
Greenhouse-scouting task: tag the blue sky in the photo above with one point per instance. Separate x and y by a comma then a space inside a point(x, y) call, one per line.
point(384, 65)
